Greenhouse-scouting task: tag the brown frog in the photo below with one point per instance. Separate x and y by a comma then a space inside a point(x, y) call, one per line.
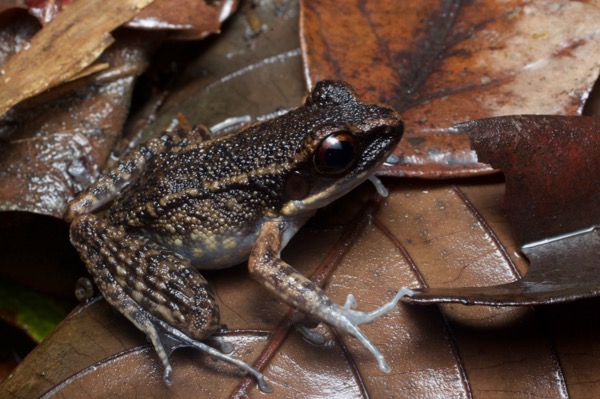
point(180, 204)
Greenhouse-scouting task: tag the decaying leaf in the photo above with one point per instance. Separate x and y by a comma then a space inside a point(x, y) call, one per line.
point(442, 62)
point(250, 72)
point(56, 144)
point(552, 172)
point(50, 59)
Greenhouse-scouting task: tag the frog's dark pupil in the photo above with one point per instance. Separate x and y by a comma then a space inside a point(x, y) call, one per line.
point(336, 154)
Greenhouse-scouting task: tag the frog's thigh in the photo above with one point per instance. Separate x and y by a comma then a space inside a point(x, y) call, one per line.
point(143, 280)
point(280, 278)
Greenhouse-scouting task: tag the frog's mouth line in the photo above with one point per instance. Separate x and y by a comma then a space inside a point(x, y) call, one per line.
point(334, 192)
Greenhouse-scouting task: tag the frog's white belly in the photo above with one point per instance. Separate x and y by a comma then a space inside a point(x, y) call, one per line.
point(213, 252)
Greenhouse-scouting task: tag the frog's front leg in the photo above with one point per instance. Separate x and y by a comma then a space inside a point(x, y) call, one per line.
point(296, 290)
point(157, 290)
point(112, 182)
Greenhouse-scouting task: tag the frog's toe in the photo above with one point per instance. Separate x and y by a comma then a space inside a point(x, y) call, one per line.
point(350, 302)
point(312, 336)
point(349, 321)
point(368, 317)
point(223, 346)
point(173, 339)
point(167, 375)
point(84, 290)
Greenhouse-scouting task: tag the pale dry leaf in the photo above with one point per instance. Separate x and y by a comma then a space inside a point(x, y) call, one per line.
point(51, 57)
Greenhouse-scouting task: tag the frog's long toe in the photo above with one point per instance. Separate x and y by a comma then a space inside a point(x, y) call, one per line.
point(349, 320)
point(312, 336)
point(368, 317)
point(173, 339)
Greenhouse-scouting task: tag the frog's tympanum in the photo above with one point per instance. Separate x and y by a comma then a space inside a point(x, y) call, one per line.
point(180, 204)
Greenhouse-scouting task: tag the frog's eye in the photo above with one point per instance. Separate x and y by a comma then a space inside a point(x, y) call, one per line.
point(335, 154)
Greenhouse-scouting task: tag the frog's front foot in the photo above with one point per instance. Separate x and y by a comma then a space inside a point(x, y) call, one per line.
point(296, 290)
point(348, 320)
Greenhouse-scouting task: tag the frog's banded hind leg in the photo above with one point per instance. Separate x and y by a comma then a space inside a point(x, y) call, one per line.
point(113, 180)
point(296, 290)
point(158, 290)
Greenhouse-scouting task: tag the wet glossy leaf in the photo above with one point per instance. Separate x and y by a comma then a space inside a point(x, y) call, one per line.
point(454, 234)
point(442, 62)
point(250, 72)
point(552, 197)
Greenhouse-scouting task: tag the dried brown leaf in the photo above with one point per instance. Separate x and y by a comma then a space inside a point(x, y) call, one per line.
point(442, 62)
point(50, 58)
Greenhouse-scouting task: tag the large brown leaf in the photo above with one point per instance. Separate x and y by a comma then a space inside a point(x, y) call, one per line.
point(455, 234)
point(441, 62)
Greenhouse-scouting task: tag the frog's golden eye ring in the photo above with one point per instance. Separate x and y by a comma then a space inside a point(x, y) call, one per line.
point(297, 186)
point(336, 154)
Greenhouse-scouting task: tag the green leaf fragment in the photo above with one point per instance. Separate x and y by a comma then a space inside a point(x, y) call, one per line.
point(35, 313)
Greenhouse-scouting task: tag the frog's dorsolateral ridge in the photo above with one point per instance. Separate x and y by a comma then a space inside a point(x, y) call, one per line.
point(180, 204)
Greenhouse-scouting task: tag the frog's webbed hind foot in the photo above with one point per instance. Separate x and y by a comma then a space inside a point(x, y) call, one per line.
point(167, 339)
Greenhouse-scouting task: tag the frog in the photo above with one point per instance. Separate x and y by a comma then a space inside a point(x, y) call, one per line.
point(178, 204)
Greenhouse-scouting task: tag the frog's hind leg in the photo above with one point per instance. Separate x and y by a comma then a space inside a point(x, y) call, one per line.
point(296, 290)
point(158, 290)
